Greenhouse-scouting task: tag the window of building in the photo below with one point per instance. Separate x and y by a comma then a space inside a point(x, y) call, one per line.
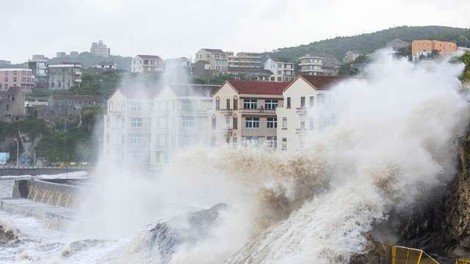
point(302, 101)
point(271, 142)
point(135, 106)
point(284, 123)
point(217, 103)
point(135, 139)
point(235, 103)
point(187, 121)
point(235, 122)
point(162, 140)
point(136, 122)
point(250, 104)
point(186, 106)
point(288, 102)
point(271, 122)
point(284, 144)
point(252, 122)
point(270, 104)
point(228, 104)
point(214, 122)
point(14, 79)
point(312, 101)
point(279, 79)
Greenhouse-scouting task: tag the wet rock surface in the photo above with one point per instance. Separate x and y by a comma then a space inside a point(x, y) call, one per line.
point(7, 234)
point(166, 237)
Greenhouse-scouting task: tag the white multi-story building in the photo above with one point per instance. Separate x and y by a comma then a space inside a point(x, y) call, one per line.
point(146, 128)
point(147, 63)
point(281, 71)
point(180, 119)
point(302, 113)
point(217, 59)
point(319, 65)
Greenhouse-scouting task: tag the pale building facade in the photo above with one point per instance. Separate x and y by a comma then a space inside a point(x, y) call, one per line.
point(127, 128)
point(217, 59)
point(302, 113)
point(147, 64)
point(180, 119)
point(64, 76)
point(250, 60)
point(245, 113)
point(281, 71)
point(148, 128)
point(426, 47)
point(22, 78)
point(319, 65)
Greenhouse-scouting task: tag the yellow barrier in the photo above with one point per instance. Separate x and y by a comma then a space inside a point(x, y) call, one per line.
point(462, 261)
point(404, 255)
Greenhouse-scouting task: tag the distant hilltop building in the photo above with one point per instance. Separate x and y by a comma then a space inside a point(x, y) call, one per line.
point(319, 64)
point(245, 60)
point(38, 66)
point(4, 63)
point(147, 63)
point(217, 59)
point(100, 49)
point(280, 71)
point(426, 47)
point(397, 44)
point(61, 54)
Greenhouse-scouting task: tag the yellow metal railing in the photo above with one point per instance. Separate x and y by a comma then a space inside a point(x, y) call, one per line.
point(404, 255)
point(462, 261)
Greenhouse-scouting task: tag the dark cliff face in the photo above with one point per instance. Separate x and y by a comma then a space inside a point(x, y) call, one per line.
point(441, 224)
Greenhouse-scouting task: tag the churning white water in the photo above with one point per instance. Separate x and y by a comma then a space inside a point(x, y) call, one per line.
point(391, 143)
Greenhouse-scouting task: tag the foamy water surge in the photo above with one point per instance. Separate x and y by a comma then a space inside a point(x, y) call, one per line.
point(391, 143)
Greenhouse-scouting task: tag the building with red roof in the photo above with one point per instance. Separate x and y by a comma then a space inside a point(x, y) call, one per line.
point(302, 113)
point(245, 112)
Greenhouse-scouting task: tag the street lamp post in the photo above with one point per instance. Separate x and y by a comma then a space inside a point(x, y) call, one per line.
point(17, 153)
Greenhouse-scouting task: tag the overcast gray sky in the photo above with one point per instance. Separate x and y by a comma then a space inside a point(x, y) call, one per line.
point(180, 27)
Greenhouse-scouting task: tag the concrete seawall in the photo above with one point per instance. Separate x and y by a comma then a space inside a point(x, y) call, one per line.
point(56, 192)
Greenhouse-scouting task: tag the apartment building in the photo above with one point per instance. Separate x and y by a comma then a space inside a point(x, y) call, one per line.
point(245, 60)
point(17, 77)
point(351, 56)
point(397, 44)
point(99, 49)
point(320, 64)
point(38, 66)
point(64, 76)
point(303, 111)
point(245, 113)
point(127, 127)
point(426, 47)
point(217, 59)
point(280, 71)
point(148, 127)
point(180, 119)
point(147, 64)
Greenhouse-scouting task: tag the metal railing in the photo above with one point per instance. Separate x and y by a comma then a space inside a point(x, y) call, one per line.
point(405, 255)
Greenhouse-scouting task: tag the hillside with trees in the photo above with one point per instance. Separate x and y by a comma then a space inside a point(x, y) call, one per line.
point(367, 43)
